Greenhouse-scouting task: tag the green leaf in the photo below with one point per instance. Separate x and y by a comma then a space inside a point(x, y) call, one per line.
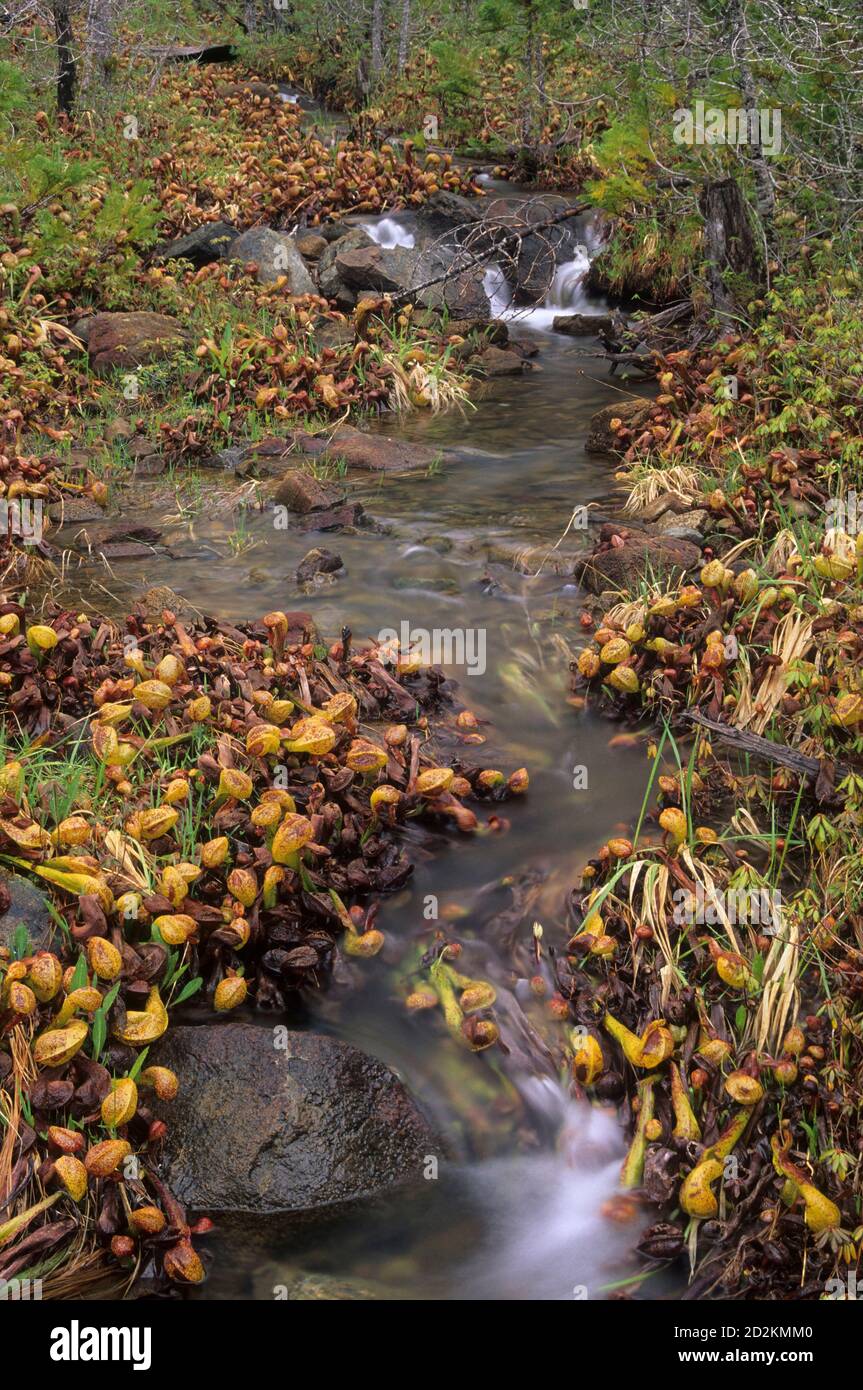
point(100, 1021)
point(189, 988)
point(20, 942)
point(138, 1064)
point(98, 1035)
point(79, 975)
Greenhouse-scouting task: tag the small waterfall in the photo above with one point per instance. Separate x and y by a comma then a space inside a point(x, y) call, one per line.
point(388, 233)
point(548, 1234)
point(566, 294)
point(551, 1219)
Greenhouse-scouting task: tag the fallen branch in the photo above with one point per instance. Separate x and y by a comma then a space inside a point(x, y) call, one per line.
point(759, 747)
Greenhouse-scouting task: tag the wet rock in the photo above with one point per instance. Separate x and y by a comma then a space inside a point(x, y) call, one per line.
point(21, 903)
point(493, 330)
point(344, 447)
point(81, 328)
point(311, 246)
point(125, 550)
point(318, 561)
point(275, 254)
point(672, 523)
point(228, 459)
point(319, 568)
point(399, 269)
point(128, 340)
point(71, 510)
point(534, 269)
point(459, 295)
point(524, 346)
point(155, 601)
point(495, 361)
point(150, 466)
point(345, 518)
point(685, 533)
point(147, 462)
point(621, 566)
point(389, 269)
point(425, 583)
point(335, 230)
point(281, 1135)
point(582, 325)
point(269, 457)
point(205, 244)
point(442, 544)
point(300, 492)
point(683, 526)
point(330, 282)
point(443, 212)
point(660, 1174)
point(601, 439)
point(377, 453)
point(534, 559)
point(118, 542)
point(332, 334)
point(307, 1288)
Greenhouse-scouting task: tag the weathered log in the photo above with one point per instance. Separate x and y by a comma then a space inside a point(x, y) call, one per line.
point(759, 747)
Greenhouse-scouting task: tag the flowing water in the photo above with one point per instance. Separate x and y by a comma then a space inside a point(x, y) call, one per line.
point(517, 1210)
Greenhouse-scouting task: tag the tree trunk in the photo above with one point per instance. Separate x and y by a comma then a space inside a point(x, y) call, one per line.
point(250, 16)
point(66, 71)
point(527, 129)
point(101, 18)
point(377, 55)
point(404, 34)
point(733, 251)
point(765, 197)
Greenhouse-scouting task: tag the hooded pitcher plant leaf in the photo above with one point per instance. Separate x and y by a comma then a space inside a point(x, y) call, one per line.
point(144, 1026)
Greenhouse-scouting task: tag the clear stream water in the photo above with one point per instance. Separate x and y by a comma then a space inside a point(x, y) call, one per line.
point(517, 1212)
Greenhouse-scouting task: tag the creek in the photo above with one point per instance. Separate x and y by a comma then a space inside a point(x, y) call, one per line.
point(519, 1208)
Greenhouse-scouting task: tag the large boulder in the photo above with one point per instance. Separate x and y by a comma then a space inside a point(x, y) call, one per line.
point(330, 282)
point(443, 213)
point(602, 439)
point(311, 246)
point(401, 270)
point(205, 244)
point(583, 325)
point(275, 254)
point(344, 446)
point(284, 1128)
point(462, 295)
point(495, 361)
point(620, 564)
point(129, 340)
point(302, 492)
point(376, 453)
point(389, 269)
